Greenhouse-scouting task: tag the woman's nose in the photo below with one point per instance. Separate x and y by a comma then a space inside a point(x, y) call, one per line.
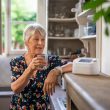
point(40, 41)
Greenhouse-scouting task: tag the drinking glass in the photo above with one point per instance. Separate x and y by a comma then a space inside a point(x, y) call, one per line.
point(45, 56)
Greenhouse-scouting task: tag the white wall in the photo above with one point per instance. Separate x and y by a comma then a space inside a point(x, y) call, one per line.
point(105, 54)
point(105, 65)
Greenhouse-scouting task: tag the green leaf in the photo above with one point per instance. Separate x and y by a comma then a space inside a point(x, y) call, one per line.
point(107, 31)
point(107, 15)
point(93, 4)
point(98, 14)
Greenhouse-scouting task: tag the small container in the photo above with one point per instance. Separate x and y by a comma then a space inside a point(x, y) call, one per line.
point(45, 56)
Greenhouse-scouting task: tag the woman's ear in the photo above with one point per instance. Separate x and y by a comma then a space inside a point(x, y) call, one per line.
point(27, 42)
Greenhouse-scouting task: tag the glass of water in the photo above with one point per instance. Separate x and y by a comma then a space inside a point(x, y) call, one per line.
point(45, 56)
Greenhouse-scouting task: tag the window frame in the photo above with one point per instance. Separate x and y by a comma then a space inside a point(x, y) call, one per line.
point(8, 22)
point(0, 30)
point(42, 18)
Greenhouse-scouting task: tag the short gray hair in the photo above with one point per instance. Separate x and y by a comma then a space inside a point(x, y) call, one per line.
point(31, 29)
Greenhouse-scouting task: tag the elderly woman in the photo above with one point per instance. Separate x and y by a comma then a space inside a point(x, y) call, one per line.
point(31, 83)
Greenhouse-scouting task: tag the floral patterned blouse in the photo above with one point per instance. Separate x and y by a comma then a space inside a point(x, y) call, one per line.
point(32, 97)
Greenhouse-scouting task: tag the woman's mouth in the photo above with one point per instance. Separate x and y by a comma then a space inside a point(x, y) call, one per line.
point(39, 48)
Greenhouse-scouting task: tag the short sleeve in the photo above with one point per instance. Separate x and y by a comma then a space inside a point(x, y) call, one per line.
point(55, 61)
point(14, 64)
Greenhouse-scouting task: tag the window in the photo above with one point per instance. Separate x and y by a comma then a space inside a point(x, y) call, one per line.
point(0, 30)
point(15, 16)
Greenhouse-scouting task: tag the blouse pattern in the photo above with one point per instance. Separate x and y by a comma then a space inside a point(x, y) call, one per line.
point(32, 96)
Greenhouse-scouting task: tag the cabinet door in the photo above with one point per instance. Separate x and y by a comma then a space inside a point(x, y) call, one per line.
point(105, 44)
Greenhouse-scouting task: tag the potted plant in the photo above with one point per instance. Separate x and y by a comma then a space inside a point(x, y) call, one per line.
point(102, 12)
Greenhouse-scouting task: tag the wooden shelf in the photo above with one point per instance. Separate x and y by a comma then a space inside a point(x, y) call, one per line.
point(61, 19)
point(64, 57)
point(63, 38)
point(82, 17)
point(88, 37)
point(86, 13)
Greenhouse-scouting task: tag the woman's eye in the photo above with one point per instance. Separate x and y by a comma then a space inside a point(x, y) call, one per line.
point(36, 39)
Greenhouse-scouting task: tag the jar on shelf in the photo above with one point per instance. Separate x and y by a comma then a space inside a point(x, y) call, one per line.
point(76, 33)
point(51, 30)
point(67, 32)
point(91, 28)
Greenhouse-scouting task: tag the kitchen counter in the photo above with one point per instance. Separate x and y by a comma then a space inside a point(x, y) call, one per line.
point(87, 92)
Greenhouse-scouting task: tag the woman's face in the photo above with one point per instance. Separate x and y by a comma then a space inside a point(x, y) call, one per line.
point(36, 44)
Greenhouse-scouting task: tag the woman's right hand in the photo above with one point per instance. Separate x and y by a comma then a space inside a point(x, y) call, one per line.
point(37, 63)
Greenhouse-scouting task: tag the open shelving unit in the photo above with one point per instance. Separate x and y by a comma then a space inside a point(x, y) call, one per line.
point(61, 26)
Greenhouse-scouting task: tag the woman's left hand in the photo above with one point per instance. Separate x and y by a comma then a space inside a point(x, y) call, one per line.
point(50, 81)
